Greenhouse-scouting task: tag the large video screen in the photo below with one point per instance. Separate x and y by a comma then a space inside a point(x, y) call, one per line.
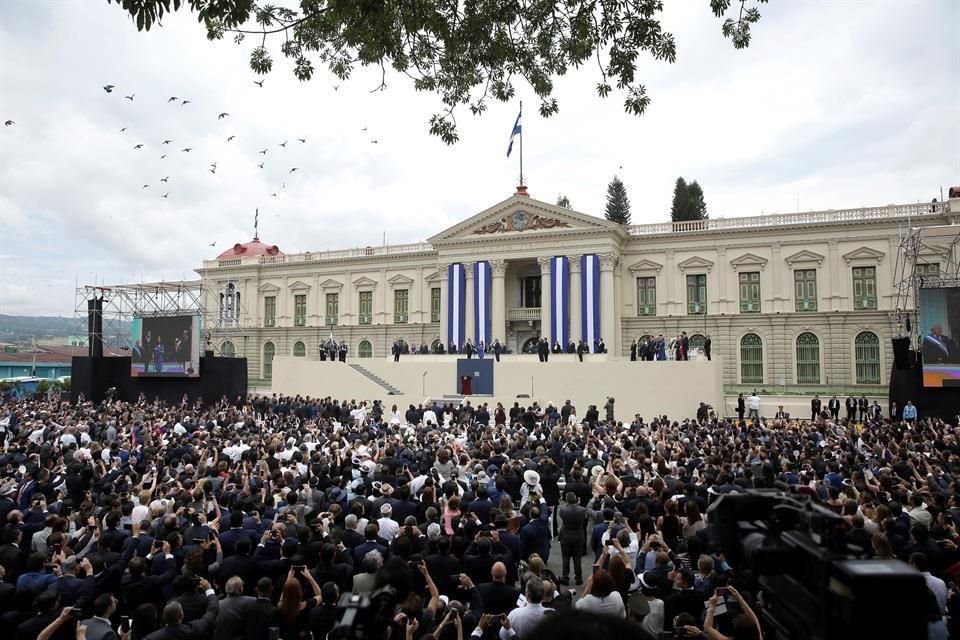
point(940, 329)
point(166, 347)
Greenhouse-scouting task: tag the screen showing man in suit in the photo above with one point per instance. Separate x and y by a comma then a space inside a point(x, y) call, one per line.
point(939, 326)
point(165, 346)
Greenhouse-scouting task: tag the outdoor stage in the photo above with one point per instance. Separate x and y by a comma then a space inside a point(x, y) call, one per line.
point(218, 377)
point(672, 388)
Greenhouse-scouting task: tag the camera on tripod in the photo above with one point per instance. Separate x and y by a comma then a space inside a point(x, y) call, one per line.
point(814, 585)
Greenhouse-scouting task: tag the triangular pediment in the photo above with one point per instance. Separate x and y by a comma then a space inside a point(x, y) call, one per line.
point(266, 287)
point(696, 262)
point(330, 283)
point(645, 265)
point(934, 250)
point(364, 281)
point(864, 254)
point(436, 276)
point(804, 256)
point(400, 280)
point(748, 260)
point(521, 216)
point(298, 285)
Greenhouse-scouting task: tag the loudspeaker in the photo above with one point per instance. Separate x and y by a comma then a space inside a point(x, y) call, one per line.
point(901, 353)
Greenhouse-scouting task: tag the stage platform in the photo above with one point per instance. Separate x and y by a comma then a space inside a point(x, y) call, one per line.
point(674, 388)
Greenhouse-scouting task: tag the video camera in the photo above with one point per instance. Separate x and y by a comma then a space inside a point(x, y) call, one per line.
point(814, 586)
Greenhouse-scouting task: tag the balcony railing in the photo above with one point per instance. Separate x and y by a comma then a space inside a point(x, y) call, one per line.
point(321, 256)
point(523, 314)
point(865, 214)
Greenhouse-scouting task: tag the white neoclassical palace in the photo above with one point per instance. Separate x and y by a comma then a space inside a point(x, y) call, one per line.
point(798, 302)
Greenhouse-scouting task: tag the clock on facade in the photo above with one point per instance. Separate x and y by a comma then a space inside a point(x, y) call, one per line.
point(520, 220)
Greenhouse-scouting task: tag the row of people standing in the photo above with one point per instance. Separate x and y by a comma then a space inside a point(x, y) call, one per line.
point(660, 348)
point(333, 351)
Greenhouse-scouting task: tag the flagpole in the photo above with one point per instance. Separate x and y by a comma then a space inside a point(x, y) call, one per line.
point(521, 143)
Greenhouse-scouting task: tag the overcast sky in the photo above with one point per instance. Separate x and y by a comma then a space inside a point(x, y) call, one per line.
point(834, 104)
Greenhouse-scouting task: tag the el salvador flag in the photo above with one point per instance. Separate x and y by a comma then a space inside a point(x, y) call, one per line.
point(514, 133)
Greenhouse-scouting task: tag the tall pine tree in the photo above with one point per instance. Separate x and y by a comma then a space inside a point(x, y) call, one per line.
point(564, 201)
point(680, 210)
point(698, 206)
point(618, 204)
point(688, 201)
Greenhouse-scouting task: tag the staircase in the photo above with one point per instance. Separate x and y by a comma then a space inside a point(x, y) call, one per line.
point(386, 386)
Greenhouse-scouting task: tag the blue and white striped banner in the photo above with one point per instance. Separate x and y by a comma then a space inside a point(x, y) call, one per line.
point(560, 301)
point(590, 300)
point(482, 319)
point(456, 305)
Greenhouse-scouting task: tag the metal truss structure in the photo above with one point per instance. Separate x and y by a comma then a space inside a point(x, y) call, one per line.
point(122, 303)
point(920, 249)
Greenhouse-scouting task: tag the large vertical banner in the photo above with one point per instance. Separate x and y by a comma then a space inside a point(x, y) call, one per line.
point(560, 300)
point(482, 320)
point(590, 301)
point(456, 305)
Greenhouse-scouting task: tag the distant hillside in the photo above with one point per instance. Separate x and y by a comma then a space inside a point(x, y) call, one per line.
point(22, 329)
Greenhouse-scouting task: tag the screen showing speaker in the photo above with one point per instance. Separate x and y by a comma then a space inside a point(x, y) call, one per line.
point(165, 346)
point(939, 331)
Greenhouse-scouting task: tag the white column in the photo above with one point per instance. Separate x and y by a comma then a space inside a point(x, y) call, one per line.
point(545, 298)
point(607, 311)
point(468, 323)
point(345, 302)
point(576, 333)
point(444, 297)
point(498, 310)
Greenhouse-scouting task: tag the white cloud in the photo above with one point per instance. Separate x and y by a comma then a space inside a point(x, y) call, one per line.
point(833, 104)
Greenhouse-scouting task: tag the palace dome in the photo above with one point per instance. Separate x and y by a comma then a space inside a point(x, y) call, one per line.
point(252, 248)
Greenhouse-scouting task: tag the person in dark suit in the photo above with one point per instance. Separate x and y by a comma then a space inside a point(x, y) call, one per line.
point(498, 597)
point(395, 350)
point(633, 351)
point(175, 629)
point(98, 627)
point(939, 348)
point(140, 588)
point(442, 565)
point(851, 404)
point(573, 519)
point(263, 613)
point(707, 345)
point(497, 348)
point(234, 614)
point(683, 599)
point(862, 406)
point(741, 407)
point(240, 564)
point(684, 345)
point(815, 406)
point(325, 615)
point(834, 406)
point(370, 544)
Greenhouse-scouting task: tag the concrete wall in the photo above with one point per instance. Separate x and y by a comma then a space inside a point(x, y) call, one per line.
point(648, 388)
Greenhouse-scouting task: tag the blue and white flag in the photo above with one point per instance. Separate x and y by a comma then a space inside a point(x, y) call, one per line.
point(515, 132)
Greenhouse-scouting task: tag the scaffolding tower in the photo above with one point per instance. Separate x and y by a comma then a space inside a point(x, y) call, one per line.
point(927, 258)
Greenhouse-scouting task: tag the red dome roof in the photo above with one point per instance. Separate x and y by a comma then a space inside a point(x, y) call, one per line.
point(252, 248)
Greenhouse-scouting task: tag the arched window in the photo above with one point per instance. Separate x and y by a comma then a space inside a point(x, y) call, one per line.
point(299, 349)
point(228, 349)
point(269, 350)
point(751, 359)
point(808, 359)
point(365, 349)
point(229, 305)
point(867, 348)
point(697, 341)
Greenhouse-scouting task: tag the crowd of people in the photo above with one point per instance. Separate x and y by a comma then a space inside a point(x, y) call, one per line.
point(252, 518)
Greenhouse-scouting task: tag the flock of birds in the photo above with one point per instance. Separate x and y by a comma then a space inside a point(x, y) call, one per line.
point(212, 166)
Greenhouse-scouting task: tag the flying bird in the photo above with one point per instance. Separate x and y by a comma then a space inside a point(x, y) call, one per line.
point(122, 130)
point(108, 88)
point(163, 156)
point(184, 103)
point(283, 144)
point(214, 170)
point(223, 115)
point(259, 83)
point(167, 141)
point(231, 138)
point(165, 195)
point(374, 142)
point(364, 129)
point(130, 97)
point(165, 179)
point(172, 99)
point(304, 140)
point(8, 123)
point(273, 195)
point(262, 152)
point(283, 186)
point(213, 244)
point(138, 146)
point(146, 186)
point(187, 150)
point(336, 87)
point(294, 169)
point(213, 164)
point(260, 165)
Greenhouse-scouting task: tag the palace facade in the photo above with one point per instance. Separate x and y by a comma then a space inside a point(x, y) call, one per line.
point(793, 303)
